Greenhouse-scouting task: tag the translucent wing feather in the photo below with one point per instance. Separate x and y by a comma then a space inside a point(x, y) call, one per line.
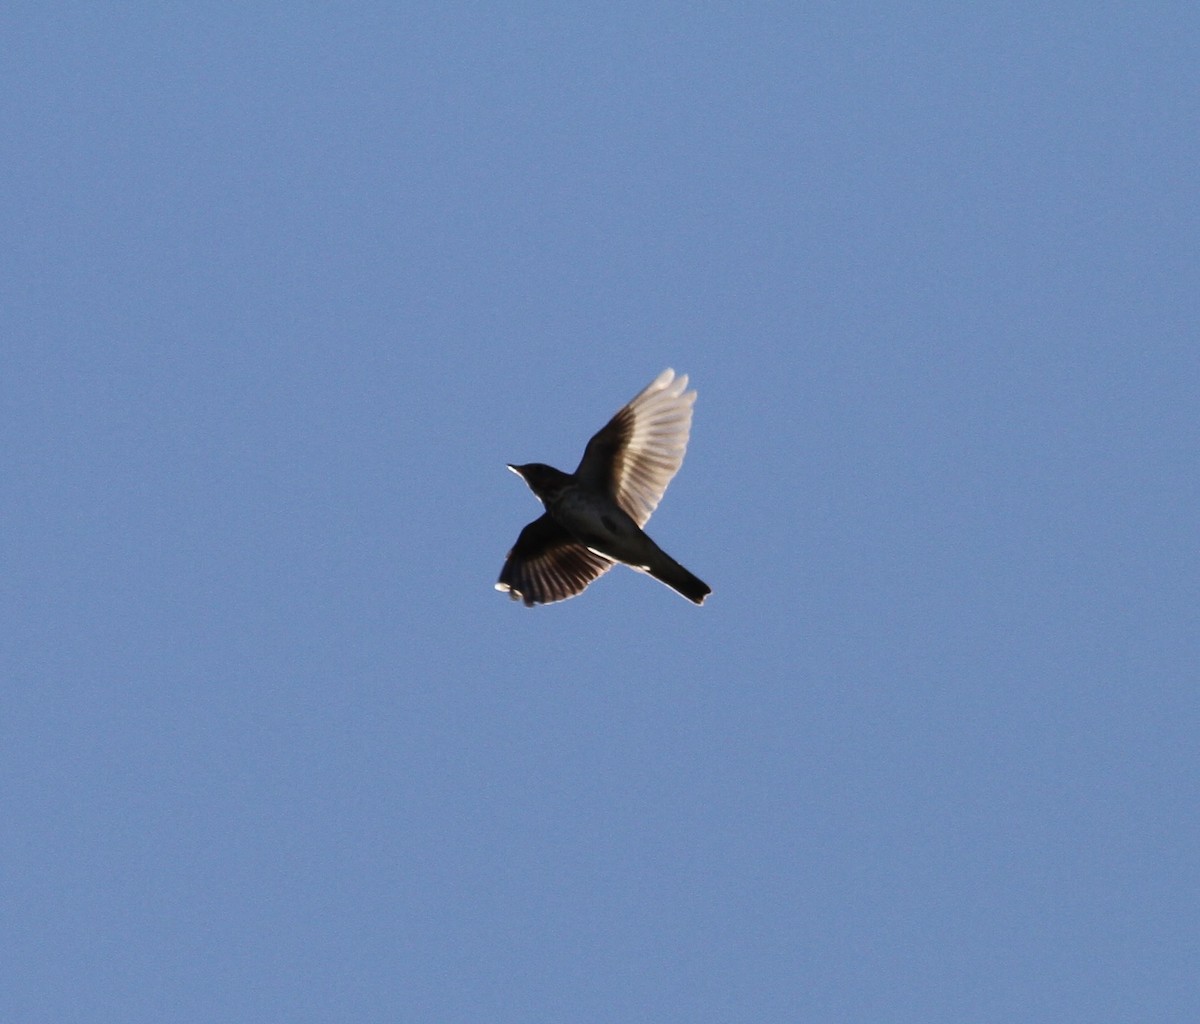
point(641, 448)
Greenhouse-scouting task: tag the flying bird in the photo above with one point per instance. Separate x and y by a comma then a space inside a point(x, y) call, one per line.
point(594, 516)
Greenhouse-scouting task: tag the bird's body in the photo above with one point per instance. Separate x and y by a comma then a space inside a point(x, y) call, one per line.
point(594, 516)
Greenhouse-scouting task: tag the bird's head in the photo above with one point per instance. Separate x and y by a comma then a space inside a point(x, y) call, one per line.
point(542, 479)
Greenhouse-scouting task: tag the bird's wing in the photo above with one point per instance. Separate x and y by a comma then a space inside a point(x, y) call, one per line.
point(641, 448)
point(547, 564)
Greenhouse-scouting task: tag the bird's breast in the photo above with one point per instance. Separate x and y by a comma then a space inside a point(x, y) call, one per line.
point(584, 513)
point(601, 525)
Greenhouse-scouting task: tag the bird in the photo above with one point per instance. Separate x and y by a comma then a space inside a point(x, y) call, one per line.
point(594, 517)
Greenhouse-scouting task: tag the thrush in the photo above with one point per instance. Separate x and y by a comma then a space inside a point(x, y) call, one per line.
point(594, 516)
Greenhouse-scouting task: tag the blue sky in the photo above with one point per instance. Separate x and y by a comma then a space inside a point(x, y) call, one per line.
point(283, 289)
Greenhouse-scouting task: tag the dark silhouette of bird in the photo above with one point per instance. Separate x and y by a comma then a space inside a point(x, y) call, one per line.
point(594, 516)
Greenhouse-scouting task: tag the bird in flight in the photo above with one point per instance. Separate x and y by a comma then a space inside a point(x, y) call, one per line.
point(594, 516)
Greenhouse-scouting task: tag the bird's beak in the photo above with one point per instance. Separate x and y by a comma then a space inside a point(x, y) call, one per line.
point(515, 469)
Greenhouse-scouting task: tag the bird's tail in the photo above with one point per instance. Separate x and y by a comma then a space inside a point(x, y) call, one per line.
point(667, 570)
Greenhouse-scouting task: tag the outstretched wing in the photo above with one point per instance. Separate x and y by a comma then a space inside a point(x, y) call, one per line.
point(547, 564)
point(641, 448)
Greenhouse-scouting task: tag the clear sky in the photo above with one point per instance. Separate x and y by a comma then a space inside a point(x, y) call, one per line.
point(283, 288)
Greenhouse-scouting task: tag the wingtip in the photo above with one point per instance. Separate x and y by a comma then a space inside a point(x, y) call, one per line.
point(669, 381)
